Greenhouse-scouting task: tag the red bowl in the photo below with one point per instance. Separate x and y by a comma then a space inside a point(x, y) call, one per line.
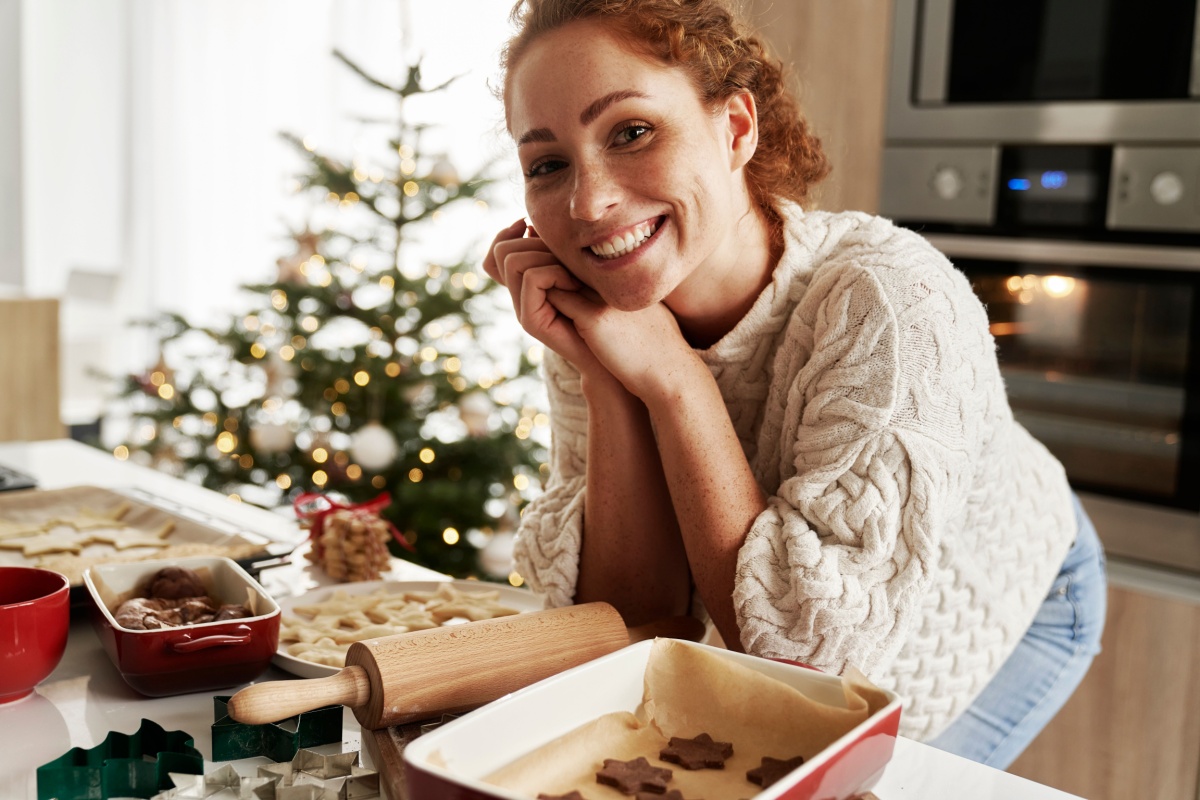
point(190, 658)
point(35, 613)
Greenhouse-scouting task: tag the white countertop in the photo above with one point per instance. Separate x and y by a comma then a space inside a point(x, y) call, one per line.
point(85, 698)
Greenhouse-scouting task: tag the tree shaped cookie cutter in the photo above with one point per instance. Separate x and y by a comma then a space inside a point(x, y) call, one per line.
point(278, 741)
point(123, 765)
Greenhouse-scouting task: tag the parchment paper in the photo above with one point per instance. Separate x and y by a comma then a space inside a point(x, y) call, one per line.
point(689, 691)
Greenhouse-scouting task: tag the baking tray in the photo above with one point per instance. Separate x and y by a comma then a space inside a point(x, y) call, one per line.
point(192, 532)
point(453, 760)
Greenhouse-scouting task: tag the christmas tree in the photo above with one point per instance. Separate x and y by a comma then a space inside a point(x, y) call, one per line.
point(361, 369)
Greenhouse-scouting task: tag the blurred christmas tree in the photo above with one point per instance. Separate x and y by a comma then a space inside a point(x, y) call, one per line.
point(361, 369)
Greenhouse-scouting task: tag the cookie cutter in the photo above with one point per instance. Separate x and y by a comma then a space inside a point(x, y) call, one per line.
point(278, 741)
point(123, 765)
point(313, 776)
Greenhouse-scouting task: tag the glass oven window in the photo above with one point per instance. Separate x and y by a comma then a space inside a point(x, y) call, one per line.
point(1055, 50)
point(1096, 364)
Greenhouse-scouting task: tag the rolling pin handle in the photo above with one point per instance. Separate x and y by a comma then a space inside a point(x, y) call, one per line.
point(264, 703)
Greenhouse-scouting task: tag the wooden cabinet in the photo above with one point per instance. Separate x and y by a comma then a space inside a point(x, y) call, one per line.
point(29, 380)
point(1132, 729)
point(838, 49)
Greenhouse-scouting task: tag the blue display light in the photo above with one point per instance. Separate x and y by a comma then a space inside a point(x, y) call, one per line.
point(1019, 184)
point(1054, 179)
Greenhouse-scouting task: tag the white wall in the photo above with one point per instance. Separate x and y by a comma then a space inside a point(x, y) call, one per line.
point(149, 151)
point(11, 273)
point(73, 135)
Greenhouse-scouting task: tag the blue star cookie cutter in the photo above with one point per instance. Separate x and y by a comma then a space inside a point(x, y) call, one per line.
point(278, 741)
point(123, 765)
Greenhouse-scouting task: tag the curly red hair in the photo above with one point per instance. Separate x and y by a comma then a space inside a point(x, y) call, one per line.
point(721, 56)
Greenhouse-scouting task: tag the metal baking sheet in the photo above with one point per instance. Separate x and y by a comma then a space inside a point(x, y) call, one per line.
point(190, 533)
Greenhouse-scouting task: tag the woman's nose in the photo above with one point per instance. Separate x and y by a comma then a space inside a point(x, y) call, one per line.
point(594, 193)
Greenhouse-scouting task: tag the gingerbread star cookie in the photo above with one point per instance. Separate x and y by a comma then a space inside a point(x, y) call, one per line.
point(699, 752)
point(631, 777)
point(772, 769)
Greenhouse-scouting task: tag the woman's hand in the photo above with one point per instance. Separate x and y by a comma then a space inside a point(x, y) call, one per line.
point(527, 268)
point(642, 349)
point(639, 348)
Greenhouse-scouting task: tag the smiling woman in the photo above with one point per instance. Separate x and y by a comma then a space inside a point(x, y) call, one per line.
point(795, 416)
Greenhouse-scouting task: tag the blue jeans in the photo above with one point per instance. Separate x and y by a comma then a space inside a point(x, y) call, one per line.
point(1049, 662)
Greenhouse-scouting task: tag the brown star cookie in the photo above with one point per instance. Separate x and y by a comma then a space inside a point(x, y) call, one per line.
point(673, 794)
point(567, 796)
point(631, 777)
point(772, 769)
point(699, 752)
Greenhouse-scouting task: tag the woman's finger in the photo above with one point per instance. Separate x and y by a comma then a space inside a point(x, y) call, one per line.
point(504, 251)
point(573, 304)
point(515, 265)
point(542, 320)
point(490, 264)
point(530, 299)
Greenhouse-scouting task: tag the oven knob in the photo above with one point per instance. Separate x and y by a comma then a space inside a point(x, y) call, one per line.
point(947, 183)
point(1166, 188)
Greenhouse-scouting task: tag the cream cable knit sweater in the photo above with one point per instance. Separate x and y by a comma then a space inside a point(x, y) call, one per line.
point(913, 527)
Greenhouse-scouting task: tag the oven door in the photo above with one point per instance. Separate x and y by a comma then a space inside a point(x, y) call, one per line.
point(1098, 349)
point(1038, 51)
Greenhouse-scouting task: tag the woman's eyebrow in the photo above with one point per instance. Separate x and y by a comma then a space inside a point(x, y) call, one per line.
point(597, 108)
point(537, 135)
point(586, 117)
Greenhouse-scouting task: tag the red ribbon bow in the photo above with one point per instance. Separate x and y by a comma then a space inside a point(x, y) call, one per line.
point(312, 509)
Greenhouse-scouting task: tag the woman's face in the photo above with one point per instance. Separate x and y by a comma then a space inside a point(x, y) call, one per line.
point(630, 180)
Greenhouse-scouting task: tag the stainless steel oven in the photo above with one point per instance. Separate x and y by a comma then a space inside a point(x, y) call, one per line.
point(1045, 70)
point(1051, 148)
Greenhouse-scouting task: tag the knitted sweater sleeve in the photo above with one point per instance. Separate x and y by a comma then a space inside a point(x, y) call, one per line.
point(551, 532)
point(872, 396)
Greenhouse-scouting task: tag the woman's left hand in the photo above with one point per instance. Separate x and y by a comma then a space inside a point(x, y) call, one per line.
point(640, 348)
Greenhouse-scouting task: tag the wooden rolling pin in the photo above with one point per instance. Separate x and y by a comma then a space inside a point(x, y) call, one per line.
point(410, 676)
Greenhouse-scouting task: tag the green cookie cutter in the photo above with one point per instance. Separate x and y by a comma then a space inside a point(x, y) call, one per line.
point(123, 765)
point(278, 741)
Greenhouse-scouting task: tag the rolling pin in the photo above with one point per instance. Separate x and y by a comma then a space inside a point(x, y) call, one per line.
point(411, 676)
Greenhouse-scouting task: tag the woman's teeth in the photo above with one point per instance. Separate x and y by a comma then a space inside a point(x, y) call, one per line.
point(621, 244)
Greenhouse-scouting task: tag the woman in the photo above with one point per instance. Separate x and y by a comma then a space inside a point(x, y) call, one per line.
point(798, 416)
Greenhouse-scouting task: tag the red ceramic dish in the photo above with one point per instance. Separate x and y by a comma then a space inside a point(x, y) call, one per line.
point(35, 613)
point(451, 761)
point(191, 658)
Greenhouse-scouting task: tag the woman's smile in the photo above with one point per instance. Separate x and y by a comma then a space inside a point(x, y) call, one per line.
point(630, 241)
point(625, 242)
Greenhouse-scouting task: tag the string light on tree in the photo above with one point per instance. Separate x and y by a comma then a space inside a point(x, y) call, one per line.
point(364, 366)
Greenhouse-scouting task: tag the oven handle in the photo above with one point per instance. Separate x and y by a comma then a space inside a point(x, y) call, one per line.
point(1089, 254)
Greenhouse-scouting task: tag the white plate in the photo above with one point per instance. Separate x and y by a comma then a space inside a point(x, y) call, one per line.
point(520, 599)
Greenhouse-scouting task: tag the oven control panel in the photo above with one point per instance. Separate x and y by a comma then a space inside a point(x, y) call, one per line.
point(1155, 188)
point(1025, 188)
point(940, 184)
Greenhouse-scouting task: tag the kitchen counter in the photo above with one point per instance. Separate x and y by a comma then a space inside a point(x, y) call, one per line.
point(85, 698)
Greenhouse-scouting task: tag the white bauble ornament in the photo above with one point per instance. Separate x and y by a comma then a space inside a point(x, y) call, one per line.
point(373, 447)
point(474, 410)
point(443, 173)
point(496, 557)
point(271, 437)
point(278, 372)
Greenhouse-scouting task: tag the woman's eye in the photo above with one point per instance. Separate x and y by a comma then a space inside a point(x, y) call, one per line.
point(631, 132)
point(544, 167)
